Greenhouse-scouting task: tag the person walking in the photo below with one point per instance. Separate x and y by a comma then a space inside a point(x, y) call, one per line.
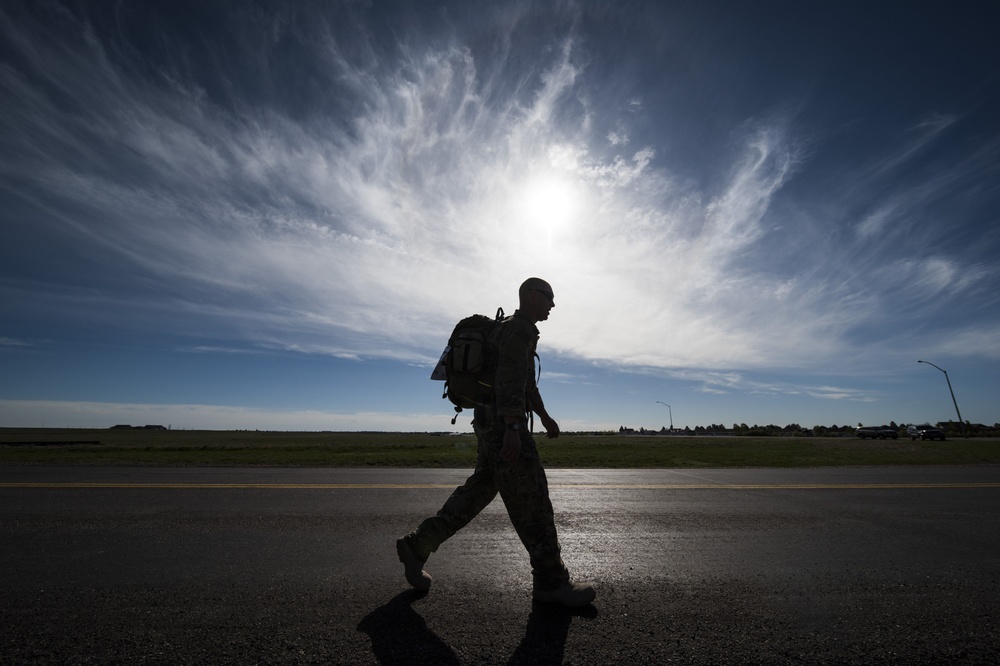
point(507, 463)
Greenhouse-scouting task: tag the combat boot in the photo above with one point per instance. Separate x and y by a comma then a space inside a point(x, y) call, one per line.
point(569, 594)
point(414, 568)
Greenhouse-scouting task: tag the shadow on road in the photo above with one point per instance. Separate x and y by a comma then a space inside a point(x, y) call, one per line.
point(544, 639)
point(400, 636)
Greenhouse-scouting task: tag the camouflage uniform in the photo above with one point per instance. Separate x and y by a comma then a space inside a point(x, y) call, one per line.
point(522, 485)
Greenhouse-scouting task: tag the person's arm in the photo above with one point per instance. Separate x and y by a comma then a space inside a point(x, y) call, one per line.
point(511, 449)
point(511, 385)
point(538, 407)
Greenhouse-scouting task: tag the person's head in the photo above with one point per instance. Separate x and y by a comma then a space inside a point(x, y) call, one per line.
point(536, 299)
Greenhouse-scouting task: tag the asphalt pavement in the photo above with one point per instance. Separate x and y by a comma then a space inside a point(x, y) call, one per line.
point(889, 565)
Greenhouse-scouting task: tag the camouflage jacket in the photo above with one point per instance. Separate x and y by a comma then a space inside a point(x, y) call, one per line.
point(515, 378)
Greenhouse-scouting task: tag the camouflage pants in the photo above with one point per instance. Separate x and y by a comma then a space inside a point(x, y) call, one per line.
point(525, 492)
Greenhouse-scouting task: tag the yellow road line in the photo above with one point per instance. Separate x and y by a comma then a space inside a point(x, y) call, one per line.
point(231, 486)
point(442, 486)
point(780, 486)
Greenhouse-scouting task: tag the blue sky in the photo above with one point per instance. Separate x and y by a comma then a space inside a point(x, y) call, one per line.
point(270, 215)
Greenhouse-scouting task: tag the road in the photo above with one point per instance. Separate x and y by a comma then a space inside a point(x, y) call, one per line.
point(247, 565)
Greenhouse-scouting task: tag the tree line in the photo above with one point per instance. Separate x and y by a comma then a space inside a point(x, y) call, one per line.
point(950, 428)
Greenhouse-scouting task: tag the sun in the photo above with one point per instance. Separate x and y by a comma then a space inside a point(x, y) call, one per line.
point(549, 203)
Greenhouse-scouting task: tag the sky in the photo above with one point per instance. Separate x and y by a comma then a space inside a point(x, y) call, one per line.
point(270, 215)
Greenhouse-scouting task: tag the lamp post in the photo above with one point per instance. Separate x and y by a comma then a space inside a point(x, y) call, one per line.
point(670, 412)
point(961, 424)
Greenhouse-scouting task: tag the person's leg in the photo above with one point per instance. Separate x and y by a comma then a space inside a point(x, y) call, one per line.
point(465, 503)
point(525, 492)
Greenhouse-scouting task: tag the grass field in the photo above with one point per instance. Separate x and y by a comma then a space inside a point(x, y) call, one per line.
point(347, 449)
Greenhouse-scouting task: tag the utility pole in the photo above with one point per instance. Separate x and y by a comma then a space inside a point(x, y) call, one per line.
point(961, 423)
point(670, 412)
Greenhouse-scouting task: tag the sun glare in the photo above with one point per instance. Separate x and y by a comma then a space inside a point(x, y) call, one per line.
point(549, 203)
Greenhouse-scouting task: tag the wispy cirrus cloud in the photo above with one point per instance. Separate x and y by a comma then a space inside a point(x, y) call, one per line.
point(224, 211)
point(30, 413)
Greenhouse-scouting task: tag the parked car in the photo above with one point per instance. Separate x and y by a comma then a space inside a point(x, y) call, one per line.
point(925, 431)
point(877, 432)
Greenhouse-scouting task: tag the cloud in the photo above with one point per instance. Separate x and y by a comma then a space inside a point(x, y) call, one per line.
point(68, 414)
point(836, 393)
point(968, 341)
point(433, 183)
point(617, 138)
point(923, 133)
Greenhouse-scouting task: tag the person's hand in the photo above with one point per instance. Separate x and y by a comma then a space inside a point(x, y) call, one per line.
point(551, 427)
point(511, 449)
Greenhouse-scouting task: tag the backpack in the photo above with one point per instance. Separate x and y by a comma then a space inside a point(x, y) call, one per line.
point(469, 362)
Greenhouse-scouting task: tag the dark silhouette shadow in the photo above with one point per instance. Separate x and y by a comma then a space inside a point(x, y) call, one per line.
point(544, 639)
point(400, 636)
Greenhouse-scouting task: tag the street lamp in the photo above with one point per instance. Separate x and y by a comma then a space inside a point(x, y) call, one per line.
point(669, 411)
point(961, 424)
